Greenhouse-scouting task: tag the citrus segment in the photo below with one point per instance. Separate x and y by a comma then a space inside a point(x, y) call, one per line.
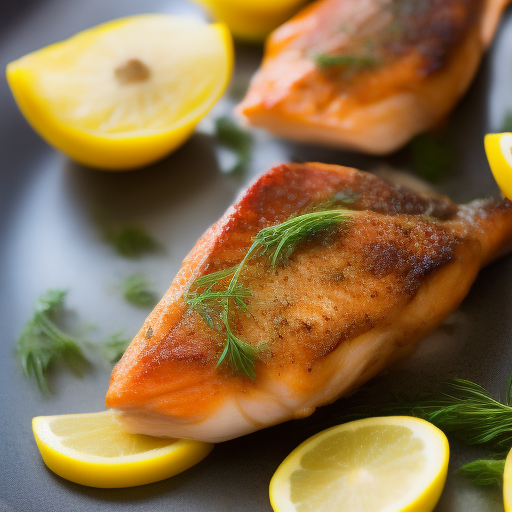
point(507, 483)
point(127, 92)
point(252, 20)
point(378, 464)
point(498, 147)
point(91, 449)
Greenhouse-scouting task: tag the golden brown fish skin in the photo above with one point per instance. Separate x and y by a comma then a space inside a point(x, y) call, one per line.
point(427, 53)
point(334, 316)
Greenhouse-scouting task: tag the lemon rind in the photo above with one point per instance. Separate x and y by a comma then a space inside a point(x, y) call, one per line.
point(113, 151)
point(437, 467)
point(115, 472)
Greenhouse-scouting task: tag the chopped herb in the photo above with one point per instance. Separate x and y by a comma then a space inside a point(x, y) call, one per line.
point(431, 156)
point(231, 136)
point(132, 241)
point(115, 346)
point(352, 62)
point(42, 343)
point(136, 290)
point(484, 472)
point(507, 123)
point(394, 29)
point(277, 243)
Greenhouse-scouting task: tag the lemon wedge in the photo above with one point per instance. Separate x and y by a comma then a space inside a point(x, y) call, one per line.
point(507, 483)
point(252, 20)
point(126, 93)
point(387, 464)
point(91, 449)
point(498, 147)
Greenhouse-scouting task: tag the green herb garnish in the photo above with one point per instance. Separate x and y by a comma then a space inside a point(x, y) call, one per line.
point(470, 413)
point(115, 346)
point(484, 471)
point(352, 62)
point(42, 343)
point(431, 156)
point(132, 241)
point(212, 298)
point(507, 123)
point(230, 135)
point(137, 291)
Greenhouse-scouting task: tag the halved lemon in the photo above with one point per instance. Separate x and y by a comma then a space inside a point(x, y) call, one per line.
point(91, 449)
point(386, 464)
point(498, 147)
point(126, 93)
point(507, 483)
point(252, 20)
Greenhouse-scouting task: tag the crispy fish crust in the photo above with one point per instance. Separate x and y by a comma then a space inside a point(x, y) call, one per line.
point(333, 317)
point(421, 56)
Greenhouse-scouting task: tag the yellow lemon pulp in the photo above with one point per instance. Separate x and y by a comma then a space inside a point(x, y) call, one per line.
point(252, 20)
point(498, 147)
point(507, 483)
point(91, 449)
point(125, 93)
point(387, 464)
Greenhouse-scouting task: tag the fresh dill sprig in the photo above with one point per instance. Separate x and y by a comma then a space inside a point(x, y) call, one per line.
point(431, 156)
point(115, 346)
point(352, 62)
point(230, 135)
point(42, 343)
point(212, 298)
point(507, 122)
point(137, 291)
point(484, 471)
point(470, 413)
point(132, 241)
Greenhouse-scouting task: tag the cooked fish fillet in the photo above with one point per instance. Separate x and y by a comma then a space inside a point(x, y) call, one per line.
point(369, 75)
point(335, 315)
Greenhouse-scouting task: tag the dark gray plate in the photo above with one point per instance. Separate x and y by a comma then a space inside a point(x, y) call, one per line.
point(50, 237)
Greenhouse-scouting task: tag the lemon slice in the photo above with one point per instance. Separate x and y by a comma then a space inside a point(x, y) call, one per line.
point(252, 20)
point(91, 449)
point(498, 147)
point(373, 465)
point(507, 483)
point(125, 93)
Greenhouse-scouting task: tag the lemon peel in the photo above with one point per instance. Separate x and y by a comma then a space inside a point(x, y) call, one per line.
point(388, 464)
point(92, 449)
point(507, 483)
point(498, 148)
point(126, 93)
point(252, 20)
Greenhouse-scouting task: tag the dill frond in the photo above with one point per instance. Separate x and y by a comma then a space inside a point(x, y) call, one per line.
point(507, 123)
point(212, 299)
point(136, 290)
point(484, 471)
point(351, 62)
point(431, 156)
point(42, 343)
point(470, 413)
point(230, 135)
point(115, 346)
point(237, 352)
point(132, 241)
point(279, 242)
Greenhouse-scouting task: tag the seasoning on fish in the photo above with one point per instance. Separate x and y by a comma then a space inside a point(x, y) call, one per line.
point(335, 308)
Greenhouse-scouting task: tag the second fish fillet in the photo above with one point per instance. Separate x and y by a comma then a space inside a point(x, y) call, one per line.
point(369, 75)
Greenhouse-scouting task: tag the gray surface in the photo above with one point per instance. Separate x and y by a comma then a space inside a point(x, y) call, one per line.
point(49, 237)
